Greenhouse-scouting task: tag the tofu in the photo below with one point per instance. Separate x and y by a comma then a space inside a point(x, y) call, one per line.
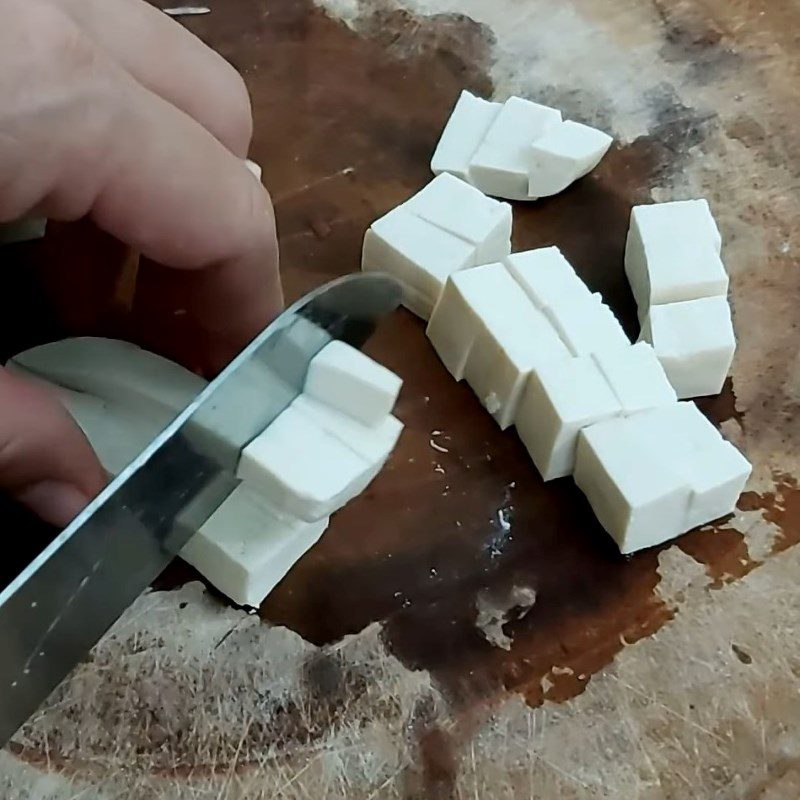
point(558, 402)
point(587, 325)
point(672, 253)
point(352, 383)
point(562, 155)
point(508, 347)
point(254, 168)
point(24, 230)
point(639, 499)
point(636, 377)
point(417, 253)
point(302, 470)
point(695, 343)
point(246, 547)
point(547, 277)
point(462, 135)
point(501, 164)
point(463, 211)
point(470, 299)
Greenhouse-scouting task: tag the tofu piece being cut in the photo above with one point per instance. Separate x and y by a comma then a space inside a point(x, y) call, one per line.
point(562, 155)
point(636, 377)
point(302, 470)
point(558, 402)
point(462, 210)
point(515, 339)
point(587, 325)
point(695, 343)
point(417, 253)
point(673, 253)
point(246, 547)
point(547, 277)
point(501, 164)
point(637, 497)
point(351, 382)
point(462, 135)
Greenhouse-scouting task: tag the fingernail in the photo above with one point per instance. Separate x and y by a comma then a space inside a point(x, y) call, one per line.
point(55, 502)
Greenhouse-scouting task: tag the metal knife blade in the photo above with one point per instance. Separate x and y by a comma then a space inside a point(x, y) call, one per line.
point(57, 609)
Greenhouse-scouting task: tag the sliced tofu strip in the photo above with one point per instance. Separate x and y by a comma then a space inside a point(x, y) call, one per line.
point(246, 548)
point(501, 164)
point(462, 210)
point(639, 499)
point(351, 382)
point(560, 400)
point(462, 135)
point(417, 253)
point(673, 253)
point(695, 343)
point(587, 325)
point(636, 377)
point(561, 156)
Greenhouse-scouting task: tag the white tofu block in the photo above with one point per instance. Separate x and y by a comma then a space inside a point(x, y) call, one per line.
point(253, 167)
point(302, 470)
point(24, 230)
point(501, 164)
point(672, 253)
point(695, 343)
point(351, 382)
point(509, 346)
point(565, 153)
point(470, 298)
point(636, 377)
point(637, 497)
point(462, 210)
point(462, 135)
point(417, 253)
point(560, 400)
point(246, 547)
point(587, 325)
point(547, 277)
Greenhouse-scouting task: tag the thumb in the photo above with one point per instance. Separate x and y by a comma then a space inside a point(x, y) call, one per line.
point(46, 462)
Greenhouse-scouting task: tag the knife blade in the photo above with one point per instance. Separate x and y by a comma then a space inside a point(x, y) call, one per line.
point(57, 609)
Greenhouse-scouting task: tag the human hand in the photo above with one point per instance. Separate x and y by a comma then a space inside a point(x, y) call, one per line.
point(112, 111)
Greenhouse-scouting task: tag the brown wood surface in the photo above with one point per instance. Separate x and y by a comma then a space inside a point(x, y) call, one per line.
point(420, 575)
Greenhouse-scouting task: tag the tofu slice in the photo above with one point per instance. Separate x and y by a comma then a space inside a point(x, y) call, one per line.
point(547, 277)
point(254, 168)
point(637, 497)
point(510, 345)
point(587, 325)
point(636, 377)
point(558, 402)
point(673, 253)
point(462, 210)
point(462, 135)
point(351, 382)
point(302, 470)
point(417, 253)
point(695, 343)
point(565, 153)
point(501, 164)
point(246, 547)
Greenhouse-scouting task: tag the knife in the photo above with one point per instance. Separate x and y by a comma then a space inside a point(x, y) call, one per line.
point(59, 607)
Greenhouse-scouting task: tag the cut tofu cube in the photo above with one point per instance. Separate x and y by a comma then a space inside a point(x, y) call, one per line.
point(714, 470)
point(501, 164)
point(470, 298)
point(637, 497)
point(462, 210)
point(547, 277)
point(694, 342)
point(301, 469)
point(587, 325)
point(636, 377)
point(246, 547)
point(559, 400)
point(465, 130)
point(417, 253)
point(351, 382)
point(672, 253)
point(565, 153)
point(509, 346)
